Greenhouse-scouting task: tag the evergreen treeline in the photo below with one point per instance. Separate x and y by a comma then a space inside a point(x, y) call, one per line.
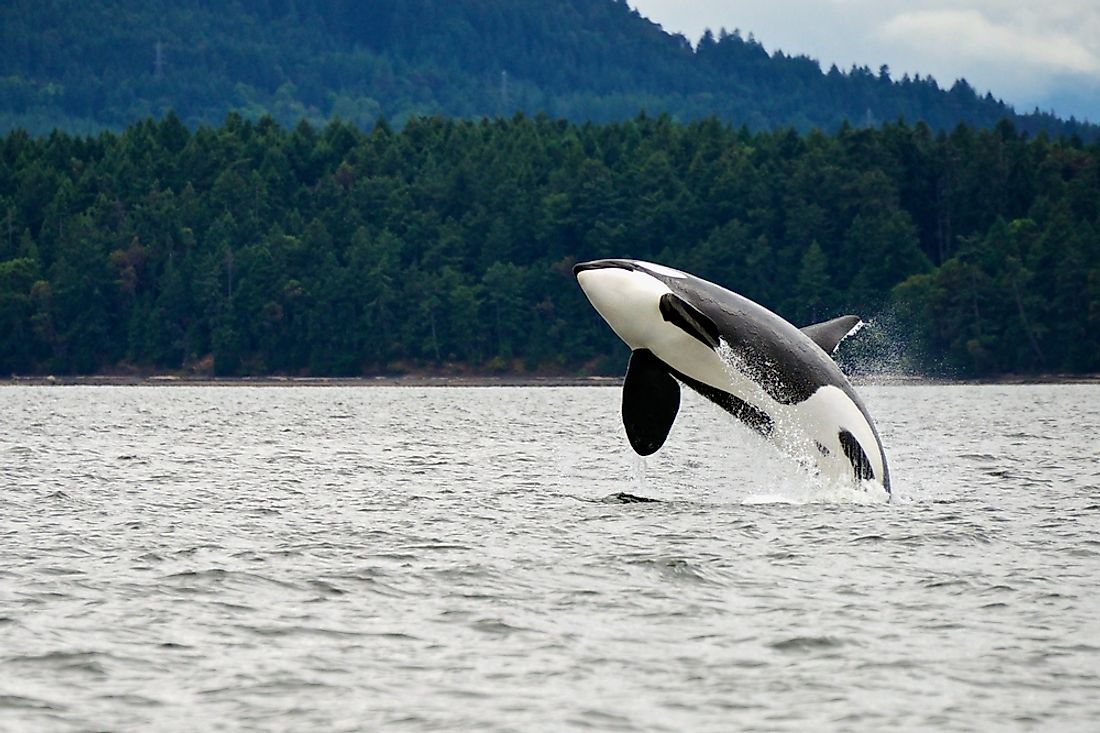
point(337, 252)
point(86, 65)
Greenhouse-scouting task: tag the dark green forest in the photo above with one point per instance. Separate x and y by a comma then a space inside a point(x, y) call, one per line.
point(86, 65)
point(253, 249)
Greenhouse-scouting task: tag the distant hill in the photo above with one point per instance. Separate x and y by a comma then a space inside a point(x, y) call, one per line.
point(82, 66)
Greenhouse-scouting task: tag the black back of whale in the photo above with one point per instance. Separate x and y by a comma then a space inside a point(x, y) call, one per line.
point(785, 361)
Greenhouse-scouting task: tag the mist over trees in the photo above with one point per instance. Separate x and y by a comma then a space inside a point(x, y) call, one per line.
point(85, 66)
point(251, 248)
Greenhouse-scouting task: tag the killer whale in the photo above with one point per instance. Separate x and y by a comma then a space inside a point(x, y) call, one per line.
point(779, 380)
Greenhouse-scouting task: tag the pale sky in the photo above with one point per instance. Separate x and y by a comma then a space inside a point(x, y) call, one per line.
point(1029, 54)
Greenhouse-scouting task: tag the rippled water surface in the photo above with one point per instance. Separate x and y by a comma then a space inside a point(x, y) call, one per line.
point(247, 558)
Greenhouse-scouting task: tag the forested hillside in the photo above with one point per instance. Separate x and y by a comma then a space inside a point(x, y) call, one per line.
point(333, 251)
point(93, 64)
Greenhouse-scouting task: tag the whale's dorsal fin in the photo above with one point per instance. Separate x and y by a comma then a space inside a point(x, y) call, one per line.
point(651, 399)
point(829, 334)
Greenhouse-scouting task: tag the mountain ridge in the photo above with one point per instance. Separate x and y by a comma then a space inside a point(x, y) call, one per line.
point(100, 64)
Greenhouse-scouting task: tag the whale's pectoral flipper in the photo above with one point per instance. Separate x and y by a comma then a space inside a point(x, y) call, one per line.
point(687, 317)
point(651, 399)
point(829, 334)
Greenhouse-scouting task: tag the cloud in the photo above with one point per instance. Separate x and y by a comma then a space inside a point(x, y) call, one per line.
point(969, 36)
point(1027, 53)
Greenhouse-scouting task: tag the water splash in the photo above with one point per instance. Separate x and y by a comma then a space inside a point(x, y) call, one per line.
point(788, 468)
point(639, 474)
point(816, 489)
point(884, 351)
point(636, 495)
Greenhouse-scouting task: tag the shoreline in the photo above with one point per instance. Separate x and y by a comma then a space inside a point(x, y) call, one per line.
point(485, 380)
point(418, 380)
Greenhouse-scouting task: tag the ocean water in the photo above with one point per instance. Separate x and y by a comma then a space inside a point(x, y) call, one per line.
point(442, 559)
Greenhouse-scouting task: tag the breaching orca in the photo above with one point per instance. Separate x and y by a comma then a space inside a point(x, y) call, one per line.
point(779, 380)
